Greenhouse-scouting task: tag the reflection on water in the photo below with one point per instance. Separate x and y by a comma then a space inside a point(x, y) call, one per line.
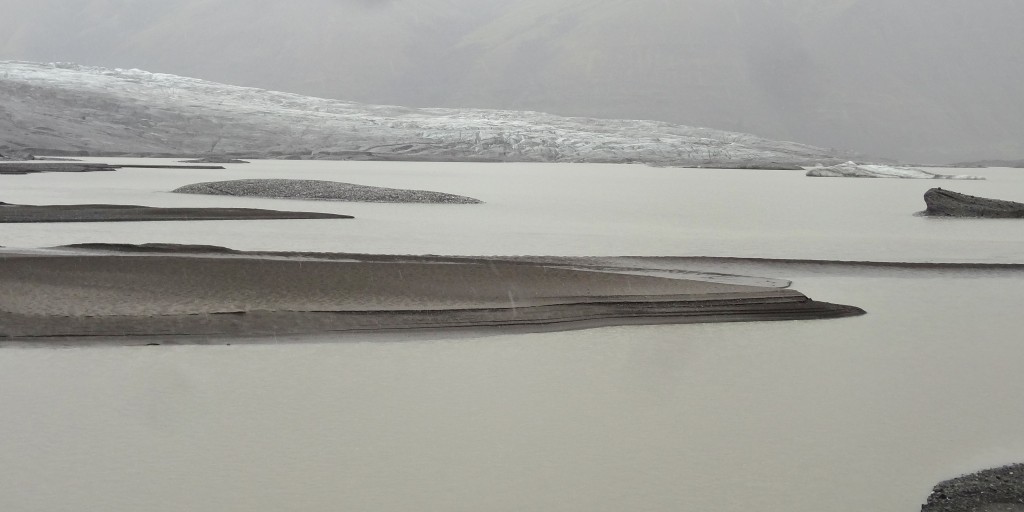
point(862, 414)
point(857, 414)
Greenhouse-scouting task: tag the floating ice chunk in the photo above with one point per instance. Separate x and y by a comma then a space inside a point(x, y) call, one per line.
point(855, 170)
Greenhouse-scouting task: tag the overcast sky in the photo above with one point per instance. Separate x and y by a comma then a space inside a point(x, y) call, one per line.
point(919, 80)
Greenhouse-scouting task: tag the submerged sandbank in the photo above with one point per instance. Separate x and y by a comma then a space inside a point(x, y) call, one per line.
point(81, 293)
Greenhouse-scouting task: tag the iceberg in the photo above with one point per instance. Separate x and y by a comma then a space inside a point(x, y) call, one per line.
point(855, 170)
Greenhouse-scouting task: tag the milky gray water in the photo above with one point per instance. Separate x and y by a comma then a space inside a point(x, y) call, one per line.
point(553, 209)
point(854, 414)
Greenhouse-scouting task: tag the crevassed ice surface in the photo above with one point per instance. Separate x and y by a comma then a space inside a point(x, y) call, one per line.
point(856, 414)
point(66, 106)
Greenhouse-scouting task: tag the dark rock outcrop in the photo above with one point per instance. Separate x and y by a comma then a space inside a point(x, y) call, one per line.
point(8, 154)
point(993, 490)
point(946, 203)
point(321, 190)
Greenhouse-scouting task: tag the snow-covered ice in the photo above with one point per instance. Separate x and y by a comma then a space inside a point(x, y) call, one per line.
point(98, 110)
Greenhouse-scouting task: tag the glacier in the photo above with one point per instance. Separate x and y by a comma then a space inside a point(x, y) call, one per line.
point(70, 109)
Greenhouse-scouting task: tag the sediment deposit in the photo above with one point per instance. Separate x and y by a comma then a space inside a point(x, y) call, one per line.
point(322, 190)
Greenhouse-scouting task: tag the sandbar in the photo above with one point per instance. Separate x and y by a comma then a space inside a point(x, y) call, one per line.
point(81, 293)
point(51, 166)
point(19, 213)
point(321, 190)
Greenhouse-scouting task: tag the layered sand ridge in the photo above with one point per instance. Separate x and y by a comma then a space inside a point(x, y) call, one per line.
point(321, 190)
point(106, 294)
point(21, 213)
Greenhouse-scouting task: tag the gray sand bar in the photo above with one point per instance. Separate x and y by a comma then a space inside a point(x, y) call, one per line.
point(108, 294)
point(17, 213)
point(321, 190)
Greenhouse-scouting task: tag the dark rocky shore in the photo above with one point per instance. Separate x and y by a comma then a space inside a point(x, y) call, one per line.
point(33, 168)
point(16, 213)
point(321, 190)
point(946, 203)
point(993, 490)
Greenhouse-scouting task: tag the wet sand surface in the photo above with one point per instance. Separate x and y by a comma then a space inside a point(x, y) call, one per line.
point(97, 294)
point(320, 190)
point(19, 213)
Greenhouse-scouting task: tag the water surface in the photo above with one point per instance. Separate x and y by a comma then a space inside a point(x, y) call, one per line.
point(856, 414)
point(552, 209)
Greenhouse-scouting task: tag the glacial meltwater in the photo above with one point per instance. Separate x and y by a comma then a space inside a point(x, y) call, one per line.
point(848, 415)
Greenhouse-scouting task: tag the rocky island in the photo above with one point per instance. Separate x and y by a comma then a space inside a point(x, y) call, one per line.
point(946, 203)
point(992, 490)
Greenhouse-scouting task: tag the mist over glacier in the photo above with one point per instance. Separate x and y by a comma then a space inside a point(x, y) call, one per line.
point(918, 80)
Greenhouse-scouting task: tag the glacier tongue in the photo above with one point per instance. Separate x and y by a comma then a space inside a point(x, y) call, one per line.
point(92, 110)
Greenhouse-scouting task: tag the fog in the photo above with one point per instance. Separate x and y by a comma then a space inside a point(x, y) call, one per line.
point(917, 80)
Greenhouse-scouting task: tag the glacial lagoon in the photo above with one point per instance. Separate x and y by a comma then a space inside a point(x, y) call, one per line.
point(855, 414)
